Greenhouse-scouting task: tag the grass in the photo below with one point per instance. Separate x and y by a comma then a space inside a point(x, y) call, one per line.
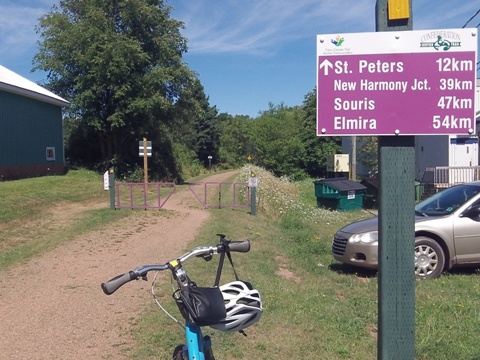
point(39, 214)
point(314, 308)
point(30, 199)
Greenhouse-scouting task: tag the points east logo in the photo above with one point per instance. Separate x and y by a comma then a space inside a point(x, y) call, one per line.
point(337, 41)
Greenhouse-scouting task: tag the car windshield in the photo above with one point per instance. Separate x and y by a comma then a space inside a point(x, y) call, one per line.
point(446, 201)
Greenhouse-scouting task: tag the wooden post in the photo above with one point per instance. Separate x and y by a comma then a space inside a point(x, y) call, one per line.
point(111, 186)
point(145, 161)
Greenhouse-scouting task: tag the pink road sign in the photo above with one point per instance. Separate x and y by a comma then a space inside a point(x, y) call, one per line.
point(389, 89)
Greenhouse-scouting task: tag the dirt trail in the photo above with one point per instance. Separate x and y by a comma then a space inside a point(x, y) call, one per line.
point(52, 307)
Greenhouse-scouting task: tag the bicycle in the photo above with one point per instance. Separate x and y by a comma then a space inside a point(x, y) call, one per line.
point(230, 307)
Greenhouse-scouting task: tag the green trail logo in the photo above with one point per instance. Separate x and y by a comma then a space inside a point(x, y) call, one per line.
point(441, 40)
point(337, 41)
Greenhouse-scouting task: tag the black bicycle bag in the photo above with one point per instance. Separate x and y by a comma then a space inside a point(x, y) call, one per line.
point(201, 306)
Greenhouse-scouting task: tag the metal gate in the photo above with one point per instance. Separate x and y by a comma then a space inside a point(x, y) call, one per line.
point(143, 195)
point(221, 194)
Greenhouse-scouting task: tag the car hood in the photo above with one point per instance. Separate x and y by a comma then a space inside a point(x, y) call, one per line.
point(371, 224)
point(362, 226)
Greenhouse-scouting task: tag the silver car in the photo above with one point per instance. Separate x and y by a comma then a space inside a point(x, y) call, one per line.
point(447, 234)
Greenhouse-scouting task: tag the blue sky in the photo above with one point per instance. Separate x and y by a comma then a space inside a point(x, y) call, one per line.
point(248, 53)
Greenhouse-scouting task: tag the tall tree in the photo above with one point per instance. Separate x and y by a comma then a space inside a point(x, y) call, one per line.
point(235, 139)
point(119, 63)
point(368, 151)
point(206, 140)
point(317, 148)
point(195, 123)
point(276, 143)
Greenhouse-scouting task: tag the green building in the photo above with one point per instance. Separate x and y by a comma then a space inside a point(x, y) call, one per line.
point(31, 128)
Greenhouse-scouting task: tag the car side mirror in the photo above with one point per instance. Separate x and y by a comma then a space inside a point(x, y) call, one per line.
point(473, 212)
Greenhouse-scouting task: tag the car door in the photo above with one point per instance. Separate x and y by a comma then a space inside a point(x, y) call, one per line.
point(467, 237)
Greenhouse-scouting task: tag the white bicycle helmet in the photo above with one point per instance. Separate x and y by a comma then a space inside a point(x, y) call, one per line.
point(243, 305)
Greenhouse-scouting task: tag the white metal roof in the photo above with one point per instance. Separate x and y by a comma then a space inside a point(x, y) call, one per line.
point(14, 83)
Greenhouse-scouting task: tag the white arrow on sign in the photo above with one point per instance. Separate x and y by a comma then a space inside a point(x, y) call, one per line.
point(326, 64)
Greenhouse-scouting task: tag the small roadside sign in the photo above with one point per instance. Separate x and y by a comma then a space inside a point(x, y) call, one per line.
point(253, 182)
point(141, 148)
point(397, 83)
point(106, 180)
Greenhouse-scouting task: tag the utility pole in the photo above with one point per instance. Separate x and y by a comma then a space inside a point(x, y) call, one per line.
point(396, 276)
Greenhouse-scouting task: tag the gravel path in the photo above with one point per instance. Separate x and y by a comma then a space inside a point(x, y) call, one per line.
point(52, 307)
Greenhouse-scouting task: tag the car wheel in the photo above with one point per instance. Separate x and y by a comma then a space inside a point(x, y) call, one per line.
point(429, 258)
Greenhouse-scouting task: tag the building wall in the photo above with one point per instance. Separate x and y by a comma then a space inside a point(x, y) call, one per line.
point(444, 150)
point(430, 151)
point(463, 151)
point(28, 128)
point(477, 103)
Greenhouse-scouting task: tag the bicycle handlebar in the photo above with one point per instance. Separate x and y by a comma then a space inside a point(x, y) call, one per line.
point(239, 246)
point(115, 283)
point(112, 285)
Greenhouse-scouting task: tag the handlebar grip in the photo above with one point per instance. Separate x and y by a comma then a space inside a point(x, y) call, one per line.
point(112, 285)
point(239, 246)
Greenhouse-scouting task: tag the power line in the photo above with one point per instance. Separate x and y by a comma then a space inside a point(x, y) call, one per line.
point(478, 11)
point(478, 25)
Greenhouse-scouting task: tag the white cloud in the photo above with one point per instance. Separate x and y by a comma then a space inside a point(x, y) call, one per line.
point(258, 26)
point(445, 14)
point(244, 26)
point(17, 26)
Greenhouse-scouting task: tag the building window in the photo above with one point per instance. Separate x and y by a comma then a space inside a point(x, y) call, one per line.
point(50, 154)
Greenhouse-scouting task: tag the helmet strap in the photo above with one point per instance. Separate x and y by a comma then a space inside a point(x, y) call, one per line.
point(220, 266)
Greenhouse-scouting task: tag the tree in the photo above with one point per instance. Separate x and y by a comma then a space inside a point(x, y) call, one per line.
point(119, 63)
point(206, 140)
point(195, 124)
point(317, 148)
point(235, 139)
point(367, 151)
point(276, 143)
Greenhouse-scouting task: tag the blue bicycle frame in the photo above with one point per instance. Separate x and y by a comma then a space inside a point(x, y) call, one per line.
point(199, 347)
